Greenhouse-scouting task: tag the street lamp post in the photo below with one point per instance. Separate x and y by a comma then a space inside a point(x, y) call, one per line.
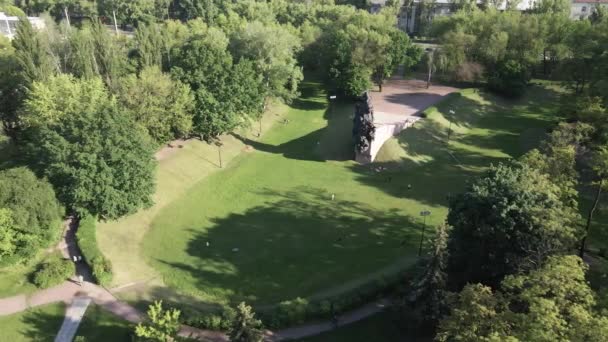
point(219, 150)
point(450, 129)
point(424, 214)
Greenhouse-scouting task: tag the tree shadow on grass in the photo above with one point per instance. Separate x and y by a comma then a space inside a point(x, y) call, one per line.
point(42, 324)
point(298, 245)
point(333, 142)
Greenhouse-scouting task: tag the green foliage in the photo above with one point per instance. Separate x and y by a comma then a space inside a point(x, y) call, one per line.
point(94, 52)
point(30, 211)
point(33, 54)
point(11, 90)
point(53, 271)
point(158, 103)
point(98, 160)
point(509, 78)
point(11, 10)
point(272, 50)
point(430, 289)
point(162, 325)
point(512, 218)
point(553, 303)
point(7, 233)
point(226, 95)
point(87, 242)
point(245, 327)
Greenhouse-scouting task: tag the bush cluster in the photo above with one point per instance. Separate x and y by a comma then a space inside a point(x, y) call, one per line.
point(53, 271)
point(300, 310)
point(101, 267)
point(218, 320)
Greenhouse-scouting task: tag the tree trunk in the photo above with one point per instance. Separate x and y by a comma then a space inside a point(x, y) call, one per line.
point(590, 217)
point(67, 16)
point(115, 23)
point(428, 81)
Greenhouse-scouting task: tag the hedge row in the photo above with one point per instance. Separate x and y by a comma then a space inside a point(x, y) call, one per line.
point(87, 242)
point(301, 310)
point(53, 271)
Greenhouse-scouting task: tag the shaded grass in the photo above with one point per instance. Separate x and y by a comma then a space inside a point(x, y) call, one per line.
point(100, 326)
point(273, 232)
point(120, 240)
point(378, 328)
point(39, 324)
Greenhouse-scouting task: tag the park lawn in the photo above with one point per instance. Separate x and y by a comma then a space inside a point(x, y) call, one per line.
point(15, 280)
point(272, 230)
point(38, 324)
point(120, 241)
point(100, 326)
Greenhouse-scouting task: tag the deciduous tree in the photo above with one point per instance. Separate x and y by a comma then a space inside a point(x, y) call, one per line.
point(97, 158)
point(510, 219)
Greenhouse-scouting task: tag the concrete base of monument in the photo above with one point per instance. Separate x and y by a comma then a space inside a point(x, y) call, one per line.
point(397, 108)
point(386, 128)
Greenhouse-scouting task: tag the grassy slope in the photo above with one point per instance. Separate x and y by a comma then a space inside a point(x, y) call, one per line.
point(120, 240)
point(100, 326)
point(274, 204)
point(40, 324)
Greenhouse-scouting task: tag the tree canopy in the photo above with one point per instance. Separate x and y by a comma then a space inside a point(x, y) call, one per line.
point(96, 157)
point(30, 216)
point(510, 219)
point(553, 303)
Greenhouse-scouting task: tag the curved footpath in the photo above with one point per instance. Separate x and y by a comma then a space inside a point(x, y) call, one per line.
point(76, 296)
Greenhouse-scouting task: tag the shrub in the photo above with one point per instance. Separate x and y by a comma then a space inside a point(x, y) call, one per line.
point(218, 320)
point(87, 242)
point(52, 272)
point(509, 79)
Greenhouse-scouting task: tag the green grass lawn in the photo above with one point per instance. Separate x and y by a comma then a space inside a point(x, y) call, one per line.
point(273, 231)
point(100, 326)
point(39, 324)
point(15, 280)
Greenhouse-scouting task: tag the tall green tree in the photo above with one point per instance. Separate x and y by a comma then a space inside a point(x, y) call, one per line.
point(245, 327)
point(600, 181)
point(7, 233)
point(227, 95)
point(162, 326)
point(161, 105)
point(510, 219)
point(272, 49)
point(33, 54)
point(31, 217)
point(553, 303)
point(95, 155)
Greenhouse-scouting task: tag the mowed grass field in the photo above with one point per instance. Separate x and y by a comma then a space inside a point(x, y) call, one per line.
point(265, 229)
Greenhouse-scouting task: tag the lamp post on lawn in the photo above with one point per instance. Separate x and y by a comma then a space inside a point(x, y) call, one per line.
point(450, 119)
point(424, 214)
point(219, 150)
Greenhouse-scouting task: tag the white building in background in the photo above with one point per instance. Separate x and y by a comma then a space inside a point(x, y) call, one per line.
point(582, 9)
point(8, 25)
